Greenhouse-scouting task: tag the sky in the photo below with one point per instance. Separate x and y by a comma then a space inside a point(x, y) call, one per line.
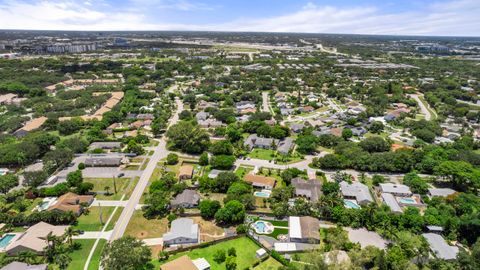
point(390, 17)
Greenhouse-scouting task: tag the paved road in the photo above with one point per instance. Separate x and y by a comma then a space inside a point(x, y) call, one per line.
point(94, 235)
point(422, 106)
point(265, 107)
point(160, 153)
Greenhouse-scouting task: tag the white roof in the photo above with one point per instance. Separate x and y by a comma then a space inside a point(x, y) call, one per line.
point(284, 247)
point(201, 264)
point(441, 192)
point(440, 247)
point(294, 227)
point(182, 227)
point(389, 200)
point(261, 252)
point(395, 188)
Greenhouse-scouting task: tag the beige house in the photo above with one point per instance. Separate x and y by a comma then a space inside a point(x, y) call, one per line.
point(185, 172)
point(35, 238)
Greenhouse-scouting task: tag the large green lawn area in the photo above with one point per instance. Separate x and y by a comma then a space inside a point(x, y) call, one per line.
point(245, 253)
point(265, 154)
point(91, 221)
point(124, 186)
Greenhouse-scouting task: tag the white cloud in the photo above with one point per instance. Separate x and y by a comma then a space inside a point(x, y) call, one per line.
point(454, 17)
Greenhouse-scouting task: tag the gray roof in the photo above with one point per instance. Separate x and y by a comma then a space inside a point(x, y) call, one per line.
point(188, 196)
point(214, 173)
point(24, 266)
point(182, 227)
point(297, 127)
point(395, 188)
point(105, 145)
point(285, 145)
point(308, 188)
point(440, 247)
point(202, 115)
point(103, 161)
point(389, 200)
point(254, 141)
point(357, 190)
point(441, 192)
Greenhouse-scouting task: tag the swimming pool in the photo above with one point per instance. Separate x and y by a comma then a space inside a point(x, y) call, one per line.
point(6, 239)
point(351, 204)
point(262, 194)
point(263, 227)
point(408, 201)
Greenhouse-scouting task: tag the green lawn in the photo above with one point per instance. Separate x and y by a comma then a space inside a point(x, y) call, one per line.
point(266, 154)
point(95, 261)
point(91, 221)
point(141, 228)
point(242, 171)
point(292, 158)
point(245, 253)
point(124, 186)
point(79, 257)
point(268, 264)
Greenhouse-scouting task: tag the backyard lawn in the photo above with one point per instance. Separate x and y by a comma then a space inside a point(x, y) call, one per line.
point(268, 264)
point(91, 221)
point(142, 228)
point(245, 253)
point(265, 154)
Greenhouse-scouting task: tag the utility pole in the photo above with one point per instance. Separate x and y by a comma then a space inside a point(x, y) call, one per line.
point(114, 185)
point(100, 211)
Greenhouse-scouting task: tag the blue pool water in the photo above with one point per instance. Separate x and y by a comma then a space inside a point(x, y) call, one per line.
point(408, 201)
point(350, 204)
point(260, 226)
point(5, 240)
point(261, 194)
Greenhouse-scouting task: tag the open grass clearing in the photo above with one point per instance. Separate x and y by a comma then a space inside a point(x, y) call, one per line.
point(268, 264)
point(142, 228)
point(91, 221)
point(79, 257)
point(124, 186)
point(265, 154)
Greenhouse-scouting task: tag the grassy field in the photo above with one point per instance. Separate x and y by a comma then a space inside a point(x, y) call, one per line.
point(124, 186)
point(79, 257)
point(142, 228)
point(91, 221)
point(95, 262)
point(245, 253)
point(265, 154)
point(268, 264)
point(293, 158)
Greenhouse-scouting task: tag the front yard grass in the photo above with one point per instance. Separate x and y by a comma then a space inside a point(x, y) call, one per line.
point(79, 257)
point(142, 228)
point(245, 253)
point(97, 254)
point(242, 171)
point(265, 154)
point(91, 221)
point(124, 186)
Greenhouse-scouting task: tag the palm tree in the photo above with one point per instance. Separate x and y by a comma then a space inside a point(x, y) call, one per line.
point(69, 233)
point(107, 188)
point(62, 260)
point(27, 257)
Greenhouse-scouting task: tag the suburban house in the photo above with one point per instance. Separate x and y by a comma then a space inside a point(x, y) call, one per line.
point(202, 116)
point(30, 126)
point(297, 128)
point(390, 200)
point(253, 141)
point(304, 229)
point(185, 263)
point(260, 181)
point(34, 238)
point(102, 161)
point(395, 189)
point(105, 145)
point(187, 199)
point(285, 146)
point(356, 191)
point(440, 247)
point(210, 123)
point(182, 231)
point(185, 172)
point(311, 189)
point(24, 266)
point(440, 192)
point(71, 202)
